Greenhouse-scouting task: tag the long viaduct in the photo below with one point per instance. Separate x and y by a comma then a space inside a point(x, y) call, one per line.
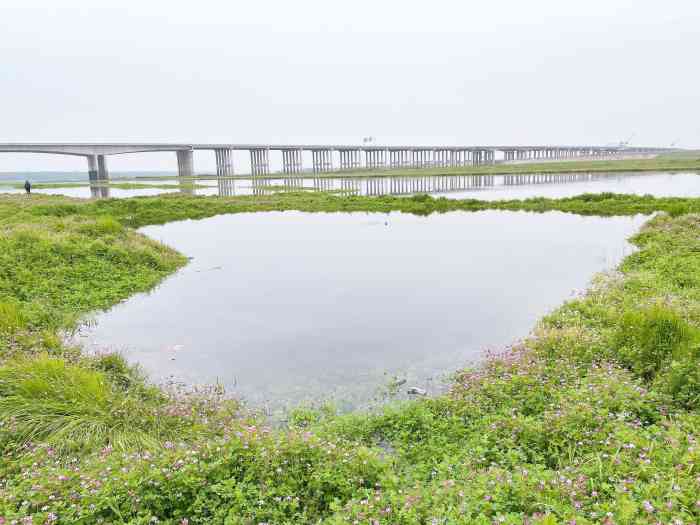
point(352, 157)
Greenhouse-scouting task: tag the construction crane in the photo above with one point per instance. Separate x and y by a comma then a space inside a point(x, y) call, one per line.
point(625, 143)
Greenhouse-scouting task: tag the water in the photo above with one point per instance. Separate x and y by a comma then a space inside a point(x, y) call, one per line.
point(659, 184)
point(10, 179)
point(287, 306)
point(498, 187)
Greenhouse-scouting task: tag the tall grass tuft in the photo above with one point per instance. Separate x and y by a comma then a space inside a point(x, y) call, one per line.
point(71, 407)
point(662, 347)
point(12, 319)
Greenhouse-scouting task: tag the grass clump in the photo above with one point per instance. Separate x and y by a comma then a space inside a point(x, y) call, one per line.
point(12, 318)
point(652, 338)
point(71, 407)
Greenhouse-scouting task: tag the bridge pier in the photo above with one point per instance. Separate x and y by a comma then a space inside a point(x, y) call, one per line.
point(419, 158)
point(292, 161)
point(345, 159)
point(328, 160)
point(357, 159)
point(381, 158)
point(259, 161)
point(224, 162)
point(375, 158)
point(92, 167)
point(351, 159)
point(185, 163)
point(443, 158)
point(354, 159)
point(393, 158)
point(102, 171)
point(322, 160)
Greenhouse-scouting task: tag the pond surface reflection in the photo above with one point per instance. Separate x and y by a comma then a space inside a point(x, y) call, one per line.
point(284, 307)
point(482, 187)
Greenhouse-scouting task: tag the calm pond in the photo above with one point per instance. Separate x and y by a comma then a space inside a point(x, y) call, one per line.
point(287, 306)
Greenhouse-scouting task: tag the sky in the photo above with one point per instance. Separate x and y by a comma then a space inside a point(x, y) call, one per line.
point(317, 71)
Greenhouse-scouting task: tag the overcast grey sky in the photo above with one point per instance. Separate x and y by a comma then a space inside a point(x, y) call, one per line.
point(438, 72)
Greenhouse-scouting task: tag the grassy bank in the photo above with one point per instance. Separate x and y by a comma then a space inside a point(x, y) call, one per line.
point(592, 420)
point(142, 211)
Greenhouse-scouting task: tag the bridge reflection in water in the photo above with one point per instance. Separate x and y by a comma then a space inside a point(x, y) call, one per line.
point(99, 191)
point(367, 186)
point(378, 186)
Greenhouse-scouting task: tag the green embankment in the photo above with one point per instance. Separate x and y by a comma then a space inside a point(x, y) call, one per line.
point(594, 419)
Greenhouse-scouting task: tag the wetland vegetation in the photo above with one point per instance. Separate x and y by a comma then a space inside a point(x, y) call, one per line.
point(592, 419)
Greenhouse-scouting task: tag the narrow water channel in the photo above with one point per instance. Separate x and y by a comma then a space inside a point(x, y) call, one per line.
point(286, 307)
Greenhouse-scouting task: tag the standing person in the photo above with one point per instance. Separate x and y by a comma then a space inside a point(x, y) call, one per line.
point(27, 187)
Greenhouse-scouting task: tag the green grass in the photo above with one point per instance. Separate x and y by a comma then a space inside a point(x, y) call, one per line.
point(141, 211)
point(593, 419)
point(691, 154)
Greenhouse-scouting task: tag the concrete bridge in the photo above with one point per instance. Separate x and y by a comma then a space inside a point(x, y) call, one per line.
point(352, 157)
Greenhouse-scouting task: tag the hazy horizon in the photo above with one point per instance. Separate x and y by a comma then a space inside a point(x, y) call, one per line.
point(320, 72)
